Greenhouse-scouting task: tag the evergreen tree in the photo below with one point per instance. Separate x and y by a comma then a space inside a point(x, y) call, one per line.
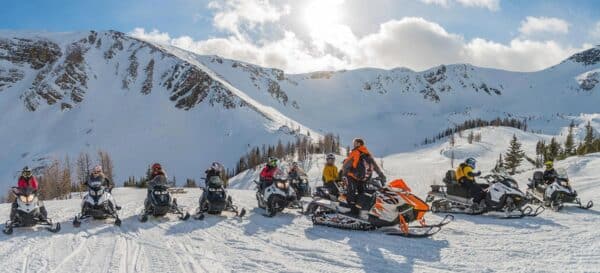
point(570, 142)
point(514, 155)
point(499, 164)
point(588, 140)
point(553, 150)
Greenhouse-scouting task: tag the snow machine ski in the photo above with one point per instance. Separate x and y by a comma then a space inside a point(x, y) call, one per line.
point(502, 195)
point(555, 194)
point(97, 204)
point(277, 196)
point(28, 212)
point(159, 201)
point(215, 200)
point(391, 209)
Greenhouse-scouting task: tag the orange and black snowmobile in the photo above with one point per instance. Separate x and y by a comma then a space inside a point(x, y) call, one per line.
point(391, 208)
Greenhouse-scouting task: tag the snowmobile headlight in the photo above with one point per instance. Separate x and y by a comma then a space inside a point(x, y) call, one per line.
point(30, 198)
point(23, 198)
point(282, 185)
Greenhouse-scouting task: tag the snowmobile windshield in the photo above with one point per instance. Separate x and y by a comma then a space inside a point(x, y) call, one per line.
point(214, 182)
point(280, 175)
point(562, 176)
point(24, 191)
point(95, 184)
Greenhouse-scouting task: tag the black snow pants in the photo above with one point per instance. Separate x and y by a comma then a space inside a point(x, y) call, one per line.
point(355, 189)
point(475, 190)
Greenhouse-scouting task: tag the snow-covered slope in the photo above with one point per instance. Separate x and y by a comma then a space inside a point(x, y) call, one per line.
point(61, 94)
point(553, 242)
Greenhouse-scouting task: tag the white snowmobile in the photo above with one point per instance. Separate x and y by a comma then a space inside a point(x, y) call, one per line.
point(502, 194)
point(215, 200)
point(98, 204)
point(29, 212)
point(556, 194)
point(159, 201)
point(389, 208)
point(277, 196)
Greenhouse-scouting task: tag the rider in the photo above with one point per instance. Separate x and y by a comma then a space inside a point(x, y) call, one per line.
point(296, 172)
point(214, 170)
point(330, 175)
point(268, 172)
point(156, 172)
point(550, 174)
point(465, 175)
point(98, 175)
point(27, 180)
point(358, 169)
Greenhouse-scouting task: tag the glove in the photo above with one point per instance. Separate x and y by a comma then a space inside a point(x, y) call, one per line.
point(477, 173)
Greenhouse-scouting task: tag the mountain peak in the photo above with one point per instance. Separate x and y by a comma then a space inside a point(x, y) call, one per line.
point(587, 57)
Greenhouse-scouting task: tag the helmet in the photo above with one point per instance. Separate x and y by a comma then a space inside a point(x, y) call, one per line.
point(330, 157)
point(156, 167)
point(97, 169)
point(549, 164)
point(272, 162)
point(216, 166)
point(471, 162)
point(26, 172)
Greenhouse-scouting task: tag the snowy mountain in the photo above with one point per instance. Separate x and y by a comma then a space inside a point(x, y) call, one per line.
point(61, 93)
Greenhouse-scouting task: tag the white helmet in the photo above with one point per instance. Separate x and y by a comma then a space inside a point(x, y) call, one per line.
point(330, 157)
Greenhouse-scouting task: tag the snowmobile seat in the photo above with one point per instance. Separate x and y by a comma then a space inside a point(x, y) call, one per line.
point(450, 178)
point(457, 190)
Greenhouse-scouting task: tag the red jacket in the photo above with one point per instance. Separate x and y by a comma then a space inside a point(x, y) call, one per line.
point(27, 183)
point(267, 173)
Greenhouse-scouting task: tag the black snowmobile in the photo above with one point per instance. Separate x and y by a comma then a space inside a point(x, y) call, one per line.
point(390, 209)
point(502, 195)
point(277, 196)
point(159, 201)
point(28, 212)
point(215, 200)
point(98, 204)
point(555, 194)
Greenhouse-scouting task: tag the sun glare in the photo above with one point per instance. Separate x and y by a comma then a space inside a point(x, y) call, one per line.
point(322, 14)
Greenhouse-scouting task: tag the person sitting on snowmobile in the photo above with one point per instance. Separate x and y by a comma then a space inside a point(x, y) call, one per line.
point(156, 170)
point(550, 174)
point(268, 172)
point(358, 169)
point(296, 172)
point(465, 175)
point(98, 175)
point(330, 175)
point(214, 170)
point(27, 180)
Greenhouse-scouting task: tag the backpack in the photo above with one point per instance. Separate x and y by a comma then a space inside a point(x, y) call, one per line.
point(364, 169)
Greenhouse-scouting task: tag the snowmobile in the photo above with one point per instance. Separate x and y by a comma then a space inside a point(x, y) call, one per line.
point(98, 204)
point(301, 186)
point(390, 208)
point(277, 196)
point(556, 194)
point(159, 202)
point(28, 212)
point(502, 195)
point(215, 200)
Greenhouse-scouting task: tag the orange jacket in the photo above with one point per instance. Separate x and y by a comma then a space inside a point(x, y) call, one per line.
point(351, 164)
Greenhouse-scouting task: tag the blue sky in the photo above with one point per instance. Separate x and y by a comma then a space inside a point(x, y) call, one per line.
point(310, 35)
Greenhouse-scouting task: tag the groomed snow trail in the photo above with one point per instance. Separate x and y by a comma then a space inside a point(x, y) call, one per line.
point(567, 241)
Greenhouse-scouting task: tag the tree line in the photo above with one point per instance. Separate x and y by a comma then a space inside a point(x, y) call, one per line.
point(60, 178)
point(299, 149)
point(476, 123)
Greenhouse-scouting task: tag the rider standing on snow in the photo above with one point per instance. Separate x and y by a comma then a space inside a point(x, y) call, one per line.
point(268, 172)
point(98, 175)
point(465, 175)
point(27, 180)
point(358, 169)
point(330, 175)
point(550, 174)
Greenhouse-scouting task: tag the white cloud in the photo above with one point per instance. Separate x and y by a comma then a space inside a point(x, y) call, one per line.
point(535, 25)
point(230, 15)
point(492, 5)
point(409, 42)
point(443, 3)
